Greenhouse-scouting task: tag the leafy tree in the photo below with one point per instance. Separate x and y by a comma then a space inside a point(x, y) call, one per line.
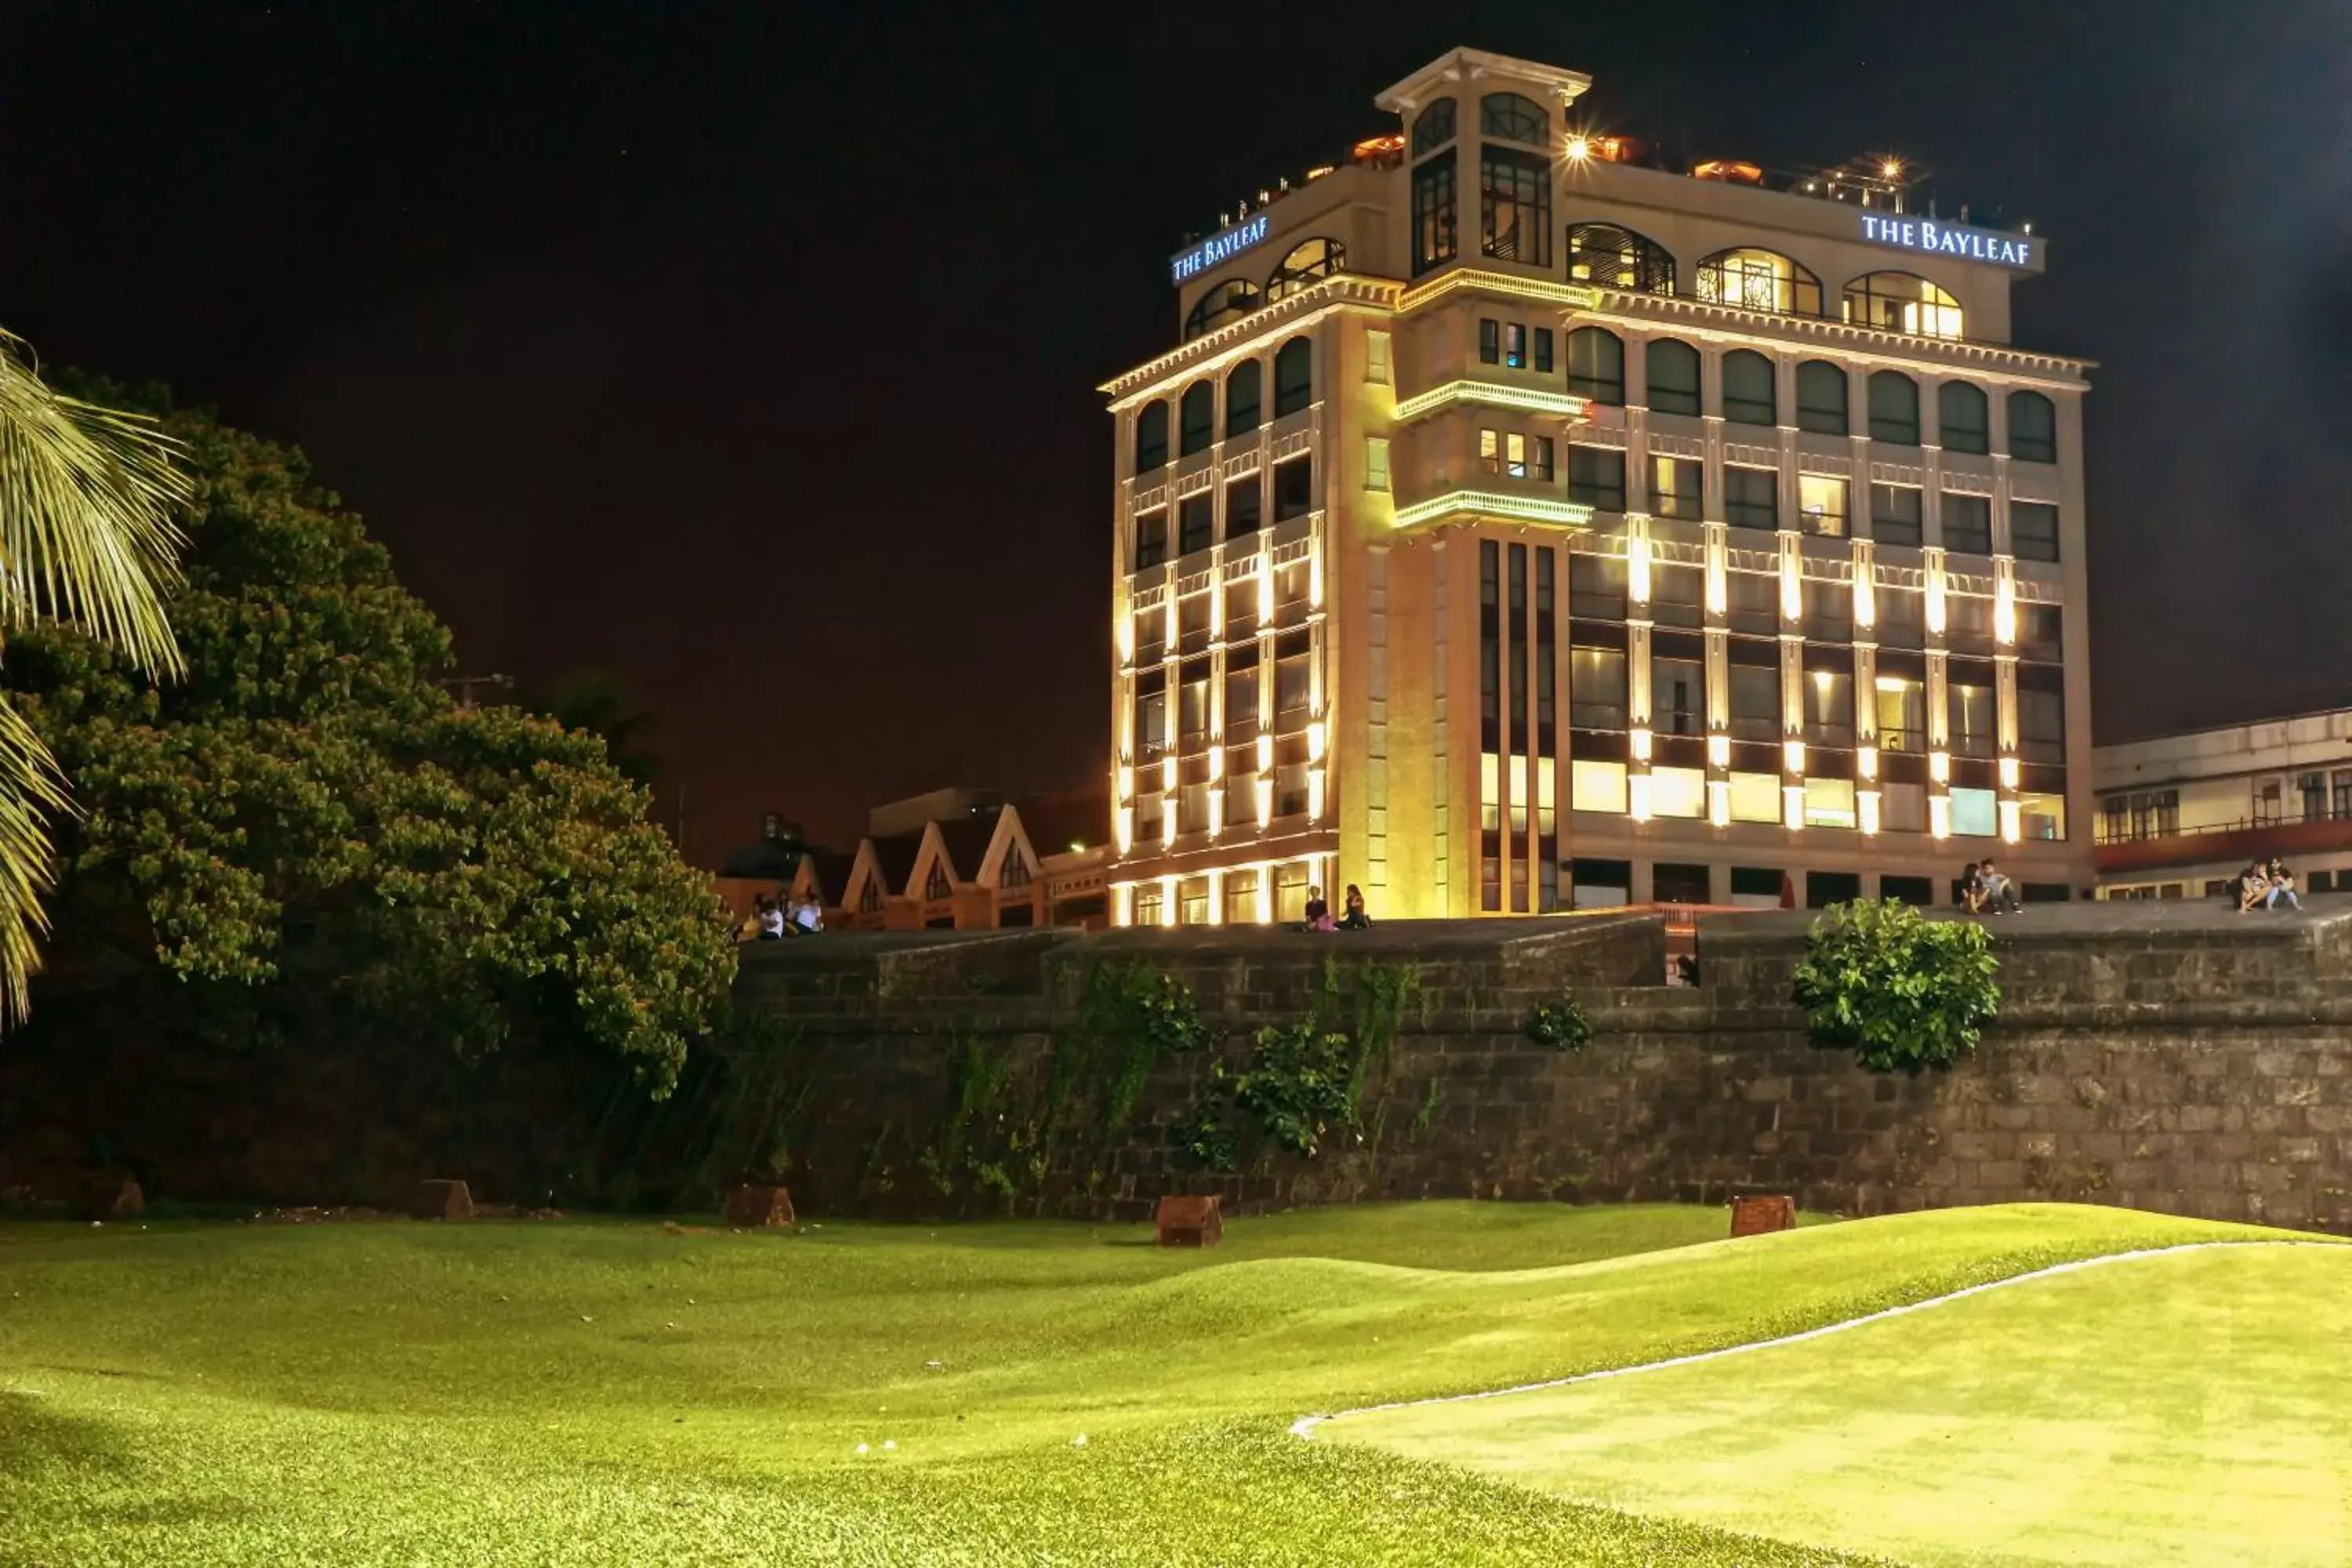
point(307, 835)
point(597, 703)
point(1902, 992)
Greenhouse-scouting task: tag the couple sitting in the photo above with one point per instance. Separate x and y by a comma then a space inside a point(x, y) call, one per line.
point(1985, 890)
point(2266, 885)
point(1318, 913)
point(773, 920)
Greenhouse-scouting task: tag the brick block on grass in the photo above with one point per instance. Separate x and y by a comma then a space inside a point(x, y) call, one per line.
point(755, 1207)
point(1190, 1222)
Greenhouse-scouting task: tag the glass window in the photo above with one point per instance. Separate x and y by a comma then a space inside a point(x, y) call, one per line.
point(1150, 437)
point(1821, 501)
point(1901, 302)
point(1903, 809)
point(1227, 302)
point(1968, 523)
point(1963, 418)
point(2032, 428)
point(1971, 721)
point(1673, 367)
point(1678, 792)
point(1434, 127)
point(1515, 345)
point(1755, 702)
point(1596, 477)
point(1829, 708)
point(1678, 697)
point(1752, 602)
point(1290, 688)
point(1196, 523)
point(2042, 817)
point(1151, 722)
point(1596, 688)
point(2040, 726)
point(1677, 595)
point(1829, 803)
point(1434, 214)
point(1294, 488)
point(1596, 365)
point(1241, 388)
point(1901, 618)
point(1596, 786)
point(1902, 715)
point(1894, 408)
point(1151, 538)
point(1543, 350)
point(2033, 531)
point(1376, 462)
point(1820, 397)
point(1293, 376)
point(1751, 497)
point(1756, 797)
point(1895, 513)
point(1674, 486)
point(1973, 812)
point(1245, 507)
point(1309, 261)
point(1828, 610)
point(1376, 357)
point(1596, 587)
point(1607, 257)
point(1747, 391)
point(2041, 632)
point(1515, 206)
point(1241, 696)
point(1513, 119)
point(1490, 341)
point(1757, 279)
point(1199, 423)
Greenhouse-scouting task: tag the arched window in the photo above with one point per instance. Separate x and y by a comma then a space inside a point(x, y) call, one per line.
point(2032, 428)
point(1241, 387)
point(1757, 279)
point(1596, 365)
point(869, 897)
point(1820, 397)
point(1227, 302)
point(1748, 396)
point(1515, 206)
point(1607, 257)
point(1434, 127)
point(936, 886)
point(1510, 118)
point(1901, 302)
point(1151, 435)
point(1293, 376)
point(1197, 424)
point(1673, 367)
point(1963, 418)
point(1894, 408)
point(1014, 873)
point(1309, 260)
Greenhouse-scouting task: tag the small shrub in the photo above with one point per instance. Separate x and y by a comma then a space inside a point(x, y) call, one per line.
point(1902, 992)
point(1297, 1086)
point(1560, 1025)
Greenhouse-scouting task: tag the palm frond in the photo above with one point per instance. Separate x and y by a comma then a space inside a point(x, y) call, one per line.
point(87, 531)
point(31, 790)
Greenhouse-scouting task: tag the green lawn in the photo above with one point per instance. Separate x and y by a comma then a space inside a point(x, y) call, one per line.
point(2195, 1408)
point(596, 1394)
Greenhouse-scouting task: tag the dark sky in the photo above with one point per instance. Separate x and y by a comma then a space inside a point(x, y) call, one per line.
point(748, 351)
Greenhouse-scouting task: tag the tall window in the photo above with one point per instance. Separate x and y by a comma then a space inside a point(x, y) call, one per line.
point(1434, 213)
point(2041, 725)
point(1748, 390)
point(1901, 302)
point(1241, 388)
point(2032, 428)
point(1511, 118)
point(1607, 257)
point(1245, 507)
point(1434, 127)
point(1151, 538)
point(1309, 260)
point(1198, 425)
point(1968, 524)
point(1894, 408)
point(1516, 455)
point(1963, 420)
point(1751, 497)
point(1674, 486)
point(1822, 500)
point(1293, 376)
point(1902, 715)
point(1673, 367)
point(1596, 687)
point(1895, 513)
point(1820, 397)
point(936, 886)
point(1227, 302)
point(2033, 531)
point(1196, 523)
point(1515, 206)
point(1970, 720)
point(1596, 478)
point(1294, 488)
point(1150, 437)
point(1758, 279)
point(1596, 365)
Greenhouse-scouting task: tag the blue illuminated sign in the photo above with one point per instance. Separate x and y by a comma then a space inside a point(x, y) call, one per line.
point(1948, 239)
point(1219, 246)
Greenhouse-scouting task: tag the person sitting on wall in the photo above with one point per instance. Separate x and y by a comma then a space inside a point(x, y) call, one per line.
point(772, 919)
point(1354, 919)
point(808, 917)
point(2254, 887)
point(2282, 886)
point(1969, 891)
point(1999, 894)
point(1318, 913)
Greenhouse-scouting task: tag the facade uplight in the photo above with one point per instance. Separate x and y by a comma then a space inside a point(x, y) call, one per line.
point(1939, 817)
point(2009, 822)
point(2009, 772)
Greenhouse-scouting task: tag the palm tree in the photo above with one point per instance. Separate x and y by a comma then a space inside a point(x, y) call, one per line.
point(87, 537)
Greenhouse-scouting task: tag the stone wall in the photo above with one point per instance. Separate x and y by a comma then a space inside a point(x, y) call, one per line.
point(2156, 1055)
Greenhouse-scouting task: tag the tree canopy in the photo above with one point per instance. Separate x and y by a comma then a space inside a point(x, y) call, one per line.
point(305, 833)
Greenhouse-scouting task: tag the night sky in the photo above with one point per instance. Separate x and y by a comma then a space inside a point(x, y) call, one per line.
point(748, 351)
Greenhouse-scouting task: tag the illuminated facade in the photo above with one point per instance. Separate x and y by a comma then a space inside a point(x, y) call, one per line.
point(1518, 529)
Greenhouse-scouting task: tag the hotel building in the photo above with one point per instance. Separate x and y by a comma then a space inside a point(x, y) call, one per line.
point(1516, 528)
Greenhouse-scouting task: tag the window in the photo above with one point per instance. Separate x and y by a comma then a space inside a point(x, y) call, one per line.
point(1917, 891)
point(2042, 817)
point(1825, 610)
point(1969, 709)
point(1196, 523)
point(1677, 595)
point(2032, 428)
point(1756, 705)
point(936, 886)
point(1245, 507)
point(1678, 792)
point(1678, 696)
point(1376, 358)
point(2313, 787)
point(1894, 408)
point(1513, 118)
point(1150, 721)
point(2041, 725)
point(1901, 618)
point(1820, 397)
point(1242, 389)
point(1543, 351)
point(1756, 797)
point(1751, 497)
point(1829, 803)
point(1241, 694)
point(1291, 690)
point(1515, 206)
point(1434, 127)
point(1596, 477)
point(2033, 531)
point(1376, 462)
point(1198, 426)
point(1973, 812)
point(1227, 302)
point(1895, 511)
point(1963, 418)
point(1902, 715)
point(1748, 392)
point(1596, 587)
point(1821, 501)
point(870, 898)
point(1293, 376)
point(1760, 280)
point(1673, 376)
point(1596, 688)
point(1294, 488)
point(1903, 807)
point(1596, 786)
point(1519, 456)
point(1674, 486)
point(1829, 712)
point(1752, 602)
point(1968, 523)
point(1309, 260)
point(2041, 632)
point(1490, 341)
point(1607, 257)
point(1151, 538)
point(1192, 706)
point(1434, 214)
point(1596, 365)
point(1515, 345)
point(1240, 896)
point(1150, 437)
point(1901, 302)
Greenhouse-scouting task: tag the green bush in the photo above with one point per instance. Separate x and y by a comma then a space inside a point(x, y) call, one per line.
point(1560, 1025)
point(1900, 990)
point(1296, 1085)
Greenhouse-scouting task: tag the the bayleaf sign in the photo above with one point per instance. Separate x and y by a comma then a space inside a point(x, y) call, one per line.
point(1951, 240)
point(1219, 246)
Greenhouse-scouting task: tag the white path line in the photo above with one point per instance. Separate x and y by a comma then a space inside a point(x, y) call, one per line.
point(1306, 1425)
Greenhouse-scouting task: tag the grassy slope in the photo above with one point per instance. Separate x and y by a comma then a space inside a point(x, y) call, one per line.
point(2189, 1409)
point(590, 1393)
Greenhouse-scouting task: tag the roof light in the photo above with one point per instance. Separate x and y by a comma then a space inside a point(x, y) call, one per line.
point(1580, 148)
point(1892, 168)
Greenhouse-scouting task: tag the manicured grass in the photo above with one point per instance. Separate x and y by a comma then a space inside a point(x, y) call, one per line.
point(592, 1393)
point(2192, 1408)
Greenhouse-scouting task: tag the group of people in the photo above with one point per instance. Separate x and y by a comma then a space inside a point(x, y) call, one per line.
point(773, 920)
point(1352, 918)
point(2266, 885)
point(1985, 889)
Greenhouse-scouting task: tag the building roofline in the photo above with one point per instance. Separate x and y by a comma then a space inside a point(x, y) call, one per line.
point(2157, 736)
point(1631, 306)
point(1470, 65)
point(1289, 314)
